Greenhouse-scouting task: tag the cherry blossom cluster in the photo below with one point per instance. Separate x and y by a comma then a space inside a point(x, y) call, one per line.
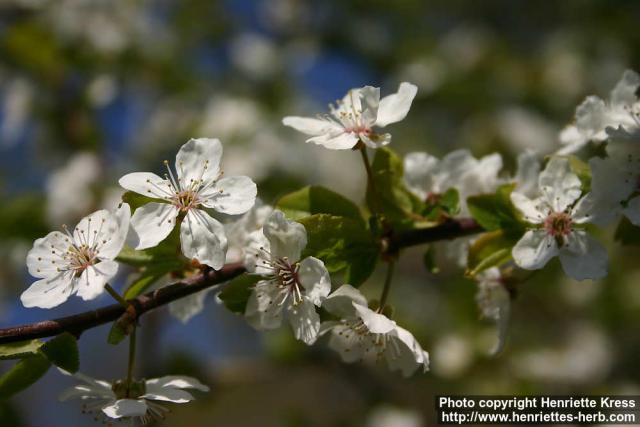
point(555, 203)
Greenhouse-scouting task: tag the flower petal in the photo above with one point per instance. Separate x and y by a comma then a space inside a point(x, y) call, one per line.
point(419, 173)
point(533, 211)
point(305, 321)
point(166, 394)
point(624, 93)
point(44, 259)
point(126, 408)
point(394, 108)
point(534, 250)
point(152, 223)
point(632, 211)
point(583, 257)
point(310, 126)
point(185, 308)
point(147, 183)
point(263, 309)
point(404, 353)
point(347, 343)
point(286, 238)
point(257, 256)
point(528, 172)
point(91, 283)
point(116, 236)
point(233, 195)
point(178, 381)
point(336, 141)
point(341, 302)
point(376, 323)
point(48, 293)
point(203, 238)
point(198, 161)
point(315, 280)
point(559, 185)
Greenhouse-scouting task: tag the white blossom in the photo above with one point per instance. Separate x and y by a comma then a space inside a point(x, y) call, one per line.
point(558, 217)
point(139, 401)
point(429, 177)
point(595, 115)
point(239, 231)
point(615, 179)
point(291, 287)
point(354, 118)
point(80, 263)
point(367, 335)
point(494, 302)
point(197, 184)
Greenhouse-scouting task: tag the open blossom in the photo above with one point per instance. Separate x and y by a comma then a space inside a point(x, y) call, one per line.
point(291, 287)
point(240, 230)
point(197, 184)
point(76, 263)
point(355, 118)
point(429, 177)
point(363, 334)
point(494, 302)
point(139, 401)
point(558, 217)
point(595, 115)
point(615, 179)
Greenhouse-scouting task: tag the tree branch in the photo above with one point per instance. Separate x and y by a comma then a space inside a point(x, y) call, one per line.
point(78, 323)
point(448, 230)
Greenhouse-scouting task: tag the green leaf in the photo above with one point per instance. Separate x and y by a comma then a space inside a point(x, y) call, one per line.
point(392, 199)
point(343, 244)
point(237, 292)
point(495, 211)
point(627, 233)
point(19, 350)
point(490, 250)
point(136, 200)
point(429, 260)
point(445, 205)
point(117, 333)
point(314, 200)
point(62, 351)
point(22, 375)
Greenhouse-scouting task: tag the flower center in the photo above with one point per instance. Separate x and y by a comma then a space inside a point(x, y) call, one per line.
point(558, 224)
point(185, 200)
point(80, 257)
point(357, 334)
point(286, 276)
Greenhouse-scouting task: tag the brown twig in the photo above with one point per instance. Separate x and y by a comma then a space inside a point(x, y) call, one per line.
point(78, 323)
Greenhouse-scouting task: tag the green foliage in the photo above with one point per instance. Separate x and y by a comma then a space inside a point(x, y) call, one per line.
point(495, 211)
point(429, 260)
point(445, 205)
point(490, 250)
point(392, 199)
point(236, 293)
point(343, 244)
point(23, 217)
point(117, 333)
point(22, 375)
point(20, 350)
point(62, 351)
point(316, 200)
point(154, 263)
point(627, 233)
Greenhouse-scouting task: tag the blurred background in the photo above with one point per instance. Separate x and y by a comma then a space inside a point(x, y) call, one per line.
point(93, 89)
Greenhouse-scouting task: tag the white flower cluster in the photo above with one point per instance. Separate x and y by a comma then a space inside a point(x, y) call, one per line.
point(295, 288)
point(555, 206)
